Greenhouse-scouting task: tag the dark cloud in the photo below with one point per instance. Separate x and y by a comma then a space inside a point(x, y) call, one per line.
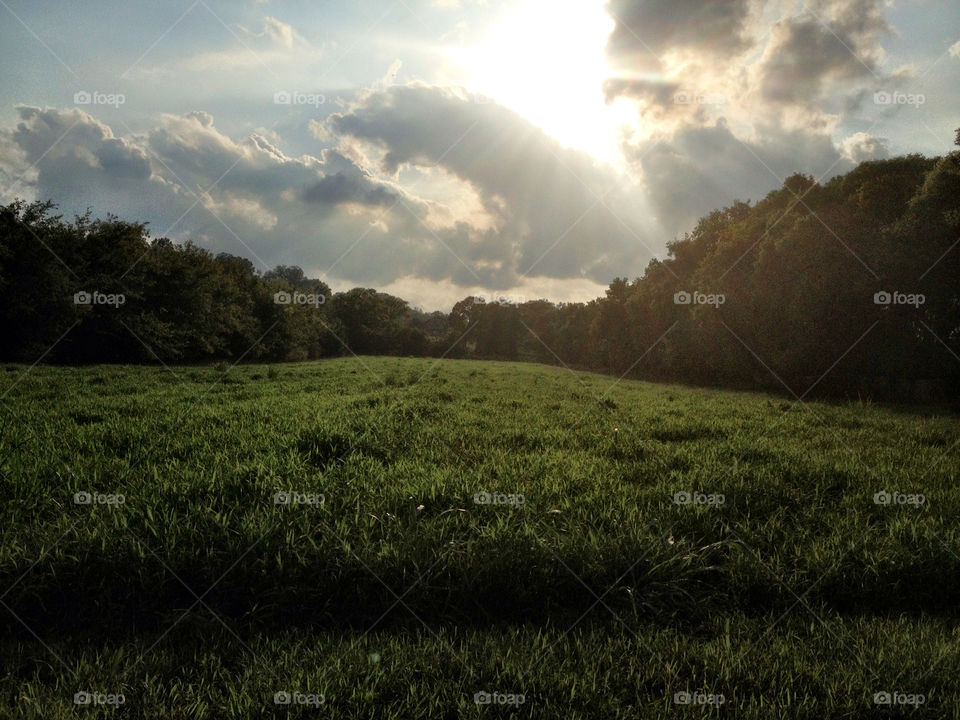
point(705, 168)
point(810, 54)
point(646, 29)
point(650, 92)
point(345, 182)
point(340, 188)
point(120, 160)
point(803, 58)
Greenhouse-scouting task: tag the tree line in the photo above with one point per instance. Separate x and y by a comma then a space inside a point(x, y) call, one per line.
point(848, 287)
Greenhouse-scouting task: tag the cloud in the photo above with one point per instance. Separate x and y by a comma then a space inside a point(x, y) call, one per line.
point(701, 169)
point(544, 196)
point(646, 30)
point(660, 49)
point(350, 185)
point(17, 177)
point(186, 162)
point(811, 54)
point(862, 146)
point(276, 47)
point(497, 202)
point(656, 92)
point(734, 97)
point(280, 32)
point(88, 149)
point(389, 77)
point(658, 46)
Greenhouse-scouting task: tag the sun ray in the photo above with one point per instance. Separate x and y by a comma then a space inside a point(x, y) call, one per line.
point(547, 61)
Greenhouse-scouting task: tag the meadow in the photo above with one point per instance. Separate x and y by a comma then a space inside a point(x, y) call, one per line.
point(410, 538)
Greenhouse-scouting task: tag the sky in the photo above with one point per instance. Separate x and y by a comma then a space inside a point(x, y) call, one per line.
point(436, 149)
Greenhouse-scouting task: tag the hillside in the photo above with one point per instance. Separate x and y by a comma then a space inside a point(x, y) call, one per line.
point(399, 535)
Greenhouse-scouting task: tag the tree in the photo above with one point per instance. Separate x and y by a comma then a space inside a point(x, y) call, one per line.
point(611, 327)
point(36, 299)
point(369, 319)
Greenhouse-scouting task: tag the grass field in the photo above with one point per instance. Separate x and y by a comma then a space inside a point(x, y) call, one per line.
point(320, 529)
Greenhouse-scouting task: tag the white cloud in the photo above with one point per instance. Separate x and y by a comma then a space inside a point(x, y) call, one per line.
point(278, 47)
point(280, 32)
point(390, 76)
point(862, 146)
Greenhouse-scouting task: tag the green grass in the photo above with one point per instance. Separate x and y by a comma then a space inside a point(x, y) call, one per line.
point(399, 596)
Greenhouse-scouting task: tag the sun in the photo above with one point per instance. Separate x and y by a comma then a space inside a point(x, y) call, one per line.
point(546, 60)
